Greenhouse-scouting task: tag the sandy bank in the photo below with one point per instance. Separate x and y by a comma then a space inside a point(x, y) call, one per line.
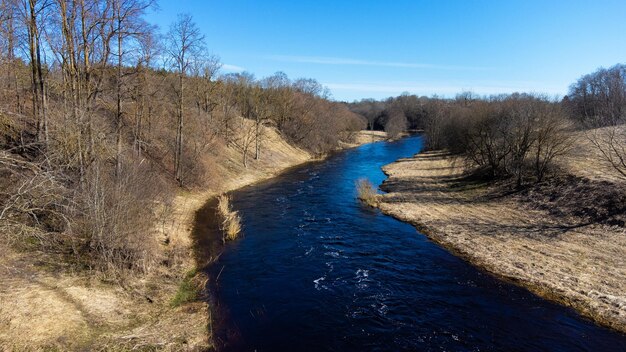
point(533, 238)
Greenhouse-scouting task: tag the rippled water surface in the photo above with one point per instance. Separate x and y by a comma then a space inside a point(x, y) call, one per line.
point(316, 271)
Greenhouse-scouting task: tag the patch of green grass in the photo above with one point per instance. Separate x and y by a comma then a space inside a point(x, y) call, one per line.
point(188, 291)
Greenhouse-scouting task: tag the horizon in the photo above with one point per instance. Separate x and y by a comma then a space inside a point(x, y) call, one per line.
point(445, 48)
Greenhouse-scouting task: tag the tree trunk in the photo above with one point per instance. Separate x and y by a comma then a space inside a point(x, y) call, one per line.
point(118, 115)
point(179, 132)
point(32, 48)
point(257, 138)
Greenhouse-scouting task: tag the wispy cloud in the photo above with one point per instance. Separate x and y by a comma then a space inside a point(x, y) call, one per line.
point(232, 68)
point(443, 88)
point(323, 60)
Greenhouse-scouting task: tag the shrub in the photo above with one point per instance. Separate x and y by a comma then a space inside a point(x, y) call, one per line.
point(367, 193)
point(188, 290)
point(230, 219)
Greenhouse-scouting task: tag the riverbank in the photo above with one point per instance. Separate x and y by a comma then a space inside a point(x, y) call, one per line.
point(189, 209)
point(47, 305)
point(561, 239)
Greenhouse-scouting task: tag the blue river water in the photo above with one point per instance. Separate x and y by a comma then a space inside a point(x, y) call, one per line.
point(317, 271)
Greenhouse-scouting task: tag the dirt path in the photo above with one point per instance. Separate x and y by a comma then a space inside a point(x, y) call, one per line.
point(561, 258)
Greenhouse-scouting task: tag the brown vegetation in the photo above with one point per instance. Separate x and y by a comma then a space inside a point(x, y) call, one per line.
point(230, 219)
point(528, 188)
point(366, 192)
point(599, 98)
point(519, 135)
point(562, 238)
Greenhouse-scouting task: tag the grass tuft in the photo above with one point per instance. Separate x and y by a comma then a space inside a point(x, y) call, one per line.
point(188, 291)
point(230, 219)
point(367, 193)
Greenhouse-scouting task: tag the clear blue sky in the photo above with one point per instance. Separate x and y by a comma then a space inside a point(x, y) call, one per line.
point(375, 49)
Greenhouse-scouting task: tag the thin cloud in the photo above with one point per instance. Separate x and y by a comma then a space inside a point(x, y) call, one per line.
point(323, 60)
point(442, 89)
point(232, 68)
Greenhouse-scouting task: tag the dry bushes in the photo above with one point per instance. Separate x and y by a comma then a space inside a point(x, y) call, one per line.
point(102, 222)
point(367, 193)
point(396, 122)
point(229, 219)
point(611, 143)
point(115, 216)
point(33, 203)
point(518, 135)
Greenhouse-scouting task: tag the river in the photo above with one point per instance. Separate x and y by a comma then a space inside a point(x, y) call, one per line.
point(317, 271)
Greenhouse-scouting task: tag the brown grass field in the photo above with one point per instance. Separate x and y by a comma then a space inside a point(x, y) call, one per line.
point(563, 239)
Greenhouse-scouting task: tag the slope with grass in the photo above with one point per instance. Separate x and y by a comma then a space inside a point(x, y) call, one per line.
point(563, 239)
point(46, 304)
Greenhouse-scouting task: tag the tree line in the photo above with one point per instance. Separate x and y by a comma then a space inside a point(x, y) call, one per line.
point(102, 116)
point(515, 135)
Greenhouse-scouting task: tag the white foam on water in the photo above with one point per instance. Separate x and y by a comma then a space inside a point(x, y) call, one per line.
point(319, 286)
point(333, 254)
point(362, 277)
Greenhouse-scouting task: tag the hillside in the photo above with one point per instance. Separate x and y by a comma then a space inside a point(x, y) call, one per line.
point(63, 307)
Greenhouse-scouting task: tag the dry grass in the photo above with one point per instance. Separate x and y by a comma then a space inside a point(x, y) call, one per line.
point(368, 137)
point(556, 254)
point(231, 221)
point(366, 192)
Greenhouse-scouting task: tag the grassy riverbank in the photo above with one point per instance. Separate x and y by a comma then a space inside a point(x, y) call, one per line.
point(47, 305)
point(563, 238)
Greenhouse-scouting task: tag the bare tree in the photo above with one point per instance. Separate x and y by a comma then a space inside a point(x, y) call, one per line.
point(149, 47)
point(611, 143)
point(243, 137)
point(396, 122)
point(553, 137)
point(184, 44)
point(518, 114)
point(33, 13)
point(599, 97)
point(8, 19)
point(129, 24)
point(280, 96)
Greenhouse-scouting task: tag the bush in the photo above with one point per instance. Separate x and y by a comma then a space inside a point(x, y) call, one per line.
point(230, 219)
point(367, 193)
point(518, 135)
point(188, 291)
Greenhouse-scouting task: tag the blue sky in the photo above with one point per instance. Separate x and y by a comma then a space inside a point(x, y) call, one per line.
point(377, 49)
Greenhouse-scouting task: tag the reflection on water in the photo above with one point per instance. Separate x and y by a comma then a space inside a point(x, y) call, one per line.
point(316, 271)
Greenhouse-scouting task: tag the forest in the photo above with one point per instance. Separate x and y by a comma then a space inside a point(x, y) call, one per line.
point(102, 116)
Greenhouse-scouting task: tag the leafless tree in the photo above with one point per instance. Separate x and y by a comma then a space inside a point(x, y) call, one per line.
point(611, 143)
point(33, 14)
point(184, 44)
point(396, 122)
point(553, 137)
point(129, 25)
point(599, 97)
